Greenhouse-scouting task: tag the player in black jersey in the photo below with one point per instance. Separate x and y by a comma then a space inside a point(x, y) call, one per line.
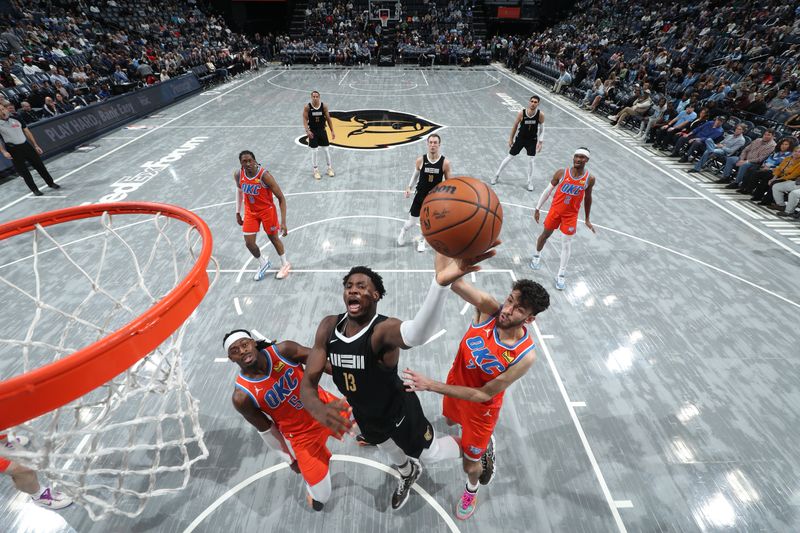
point(363, 349)
point(430, 169)
point(315, 116)
point(530, 122)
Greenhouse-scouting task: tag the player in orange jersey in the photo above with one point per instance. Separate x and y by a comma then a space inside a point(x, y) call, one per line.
point(573, 186)
point(496, 351)
point(267, 394)
point(255, 187)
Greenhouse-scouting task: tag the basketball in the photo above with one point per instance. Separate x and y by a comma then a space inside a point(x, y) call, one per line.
point(461, 217)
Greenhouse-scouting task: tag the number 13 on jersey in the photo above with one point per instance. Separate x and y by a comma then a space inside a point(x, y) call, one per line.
point(349, 381)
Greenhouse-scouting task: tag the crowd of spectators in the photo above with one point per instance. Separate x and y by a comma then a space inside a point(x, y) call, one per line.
point(712, 83)
point(57, 55)
point(345, 33)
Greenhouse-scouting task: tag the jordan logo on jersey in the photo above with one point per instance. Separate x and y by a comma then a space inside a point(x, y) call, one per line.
point(283, 389)
point(482, 358)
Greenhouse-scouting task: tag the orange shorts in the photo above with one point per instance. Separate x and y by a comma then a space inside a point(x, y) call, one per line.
point(565, 220)
point(310, 448)
point(477, 423)
point(4, 464)
point(267, 219)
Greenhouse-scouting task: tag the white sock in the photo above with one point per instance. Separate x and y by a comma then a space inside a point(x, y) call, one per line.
point(314, 156)
point(327, 155)
point(566, 247)
point(405, 469)
point(503, 164)
point(530, 170)
point(283, 263)
point(472, 488)
point(395, 454)
point(262, 259)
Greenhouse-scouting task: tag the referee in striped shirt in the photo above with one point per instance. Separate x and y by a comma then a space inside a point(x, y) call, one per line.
point(19, 145)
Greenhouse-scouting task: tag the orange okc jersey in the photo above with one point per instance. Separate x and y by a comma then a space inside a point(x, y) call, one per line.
point(278, 394)
point(569, 192)
point(482, 357)
point(257, 196)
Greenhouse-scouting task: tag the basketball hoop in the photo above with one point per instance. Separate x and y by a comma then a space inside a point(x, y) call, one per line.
point(112, 421)
point(383, 15)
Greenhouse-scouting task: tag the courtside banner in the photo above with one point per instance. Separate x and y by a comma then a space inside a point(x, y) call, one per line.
point(508, 12)
point(66, 131)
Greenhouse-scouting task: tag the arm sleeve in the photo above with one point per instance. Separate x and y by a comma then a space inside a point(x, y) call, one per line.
point(239, 200)
point(414, 178)
point(540, 132)
point(545, 195)
point(419, 329)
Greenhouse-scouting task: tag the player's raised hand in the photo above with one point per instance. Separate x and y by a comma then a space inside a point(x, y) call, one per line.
point(536, 216)
point(448, 272)
point(414, 381)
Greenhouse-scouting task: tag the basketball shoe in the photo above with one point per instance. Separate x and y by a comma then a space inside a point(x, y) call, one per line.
point(488, 464)
point(421, 244)
point(314, 504)
point(284, 271)
point(530, 186)
point(262, 271)
point(15, 442)
point(51, 499)
point(561, 282)
point(536, 262)
point(466, 506)
point(331, 173)
point(317, 175)
point(494, 180)
point(400, 496)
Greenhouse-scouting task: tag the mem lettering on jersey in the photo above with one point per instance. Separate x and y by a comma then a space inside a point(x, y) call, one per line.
point(347, 361)
point(482, 358)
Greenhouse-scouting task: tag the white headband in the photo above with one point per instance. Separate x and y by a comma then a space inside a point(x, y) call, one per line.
point(582, 151)
point(233, 337)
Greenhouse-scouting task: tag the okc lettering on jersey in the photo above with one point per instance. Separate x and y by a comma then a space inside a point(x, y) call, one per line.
point(251, 188)
point(282, 390)
point(572, 189)
point(482, 358)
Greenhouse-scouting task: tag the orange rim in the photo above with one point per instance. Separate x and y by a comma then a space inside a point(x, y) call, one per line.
point(46, 388)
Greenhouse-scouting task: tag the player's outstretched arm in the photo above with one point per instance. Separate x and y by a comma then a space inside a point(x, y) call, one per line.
point(392, 333)
point(327, 414)
point(414, 381)
point(483, 301)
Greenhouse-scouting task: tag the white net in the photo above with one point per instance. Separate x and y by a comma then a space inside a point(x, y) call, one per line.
point(67, 286)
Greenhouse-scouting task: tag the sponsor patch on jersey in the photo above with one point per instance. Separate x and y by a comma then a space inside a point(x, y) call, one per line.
point(571, 228)
point(279, 366)
point(428, 434)
point(507, 356)
point(376, 129)
point(474, 450)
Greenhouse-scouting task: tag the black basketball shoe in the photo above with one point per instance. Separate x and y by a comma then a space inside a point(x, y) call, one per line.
point(400, 495)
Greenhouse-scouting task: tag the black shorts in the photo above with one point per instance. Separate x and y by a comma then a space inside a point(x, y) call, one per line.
point(528, 144)
point(416, 204)
point(408, 428)
point(320, 139)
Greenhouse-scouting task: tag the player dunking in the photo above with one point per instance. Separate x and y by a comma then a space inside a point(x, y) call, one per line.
point(496, 351)
point(267, 394)
point(315, 116)
point(574, 185)
point(430, 169)
point(363, 349)
point(530, 122)
point(255, 187)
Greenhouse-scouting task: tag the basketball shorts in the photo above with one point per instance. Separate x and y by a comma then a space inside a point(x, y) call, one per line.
point(408, 428)
point(566, 221)
point(320, 139)
point(416, 204)
point(267, 219)
point(310, 448)
point(4, 464)
point(477, 423)
point(519, 144)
